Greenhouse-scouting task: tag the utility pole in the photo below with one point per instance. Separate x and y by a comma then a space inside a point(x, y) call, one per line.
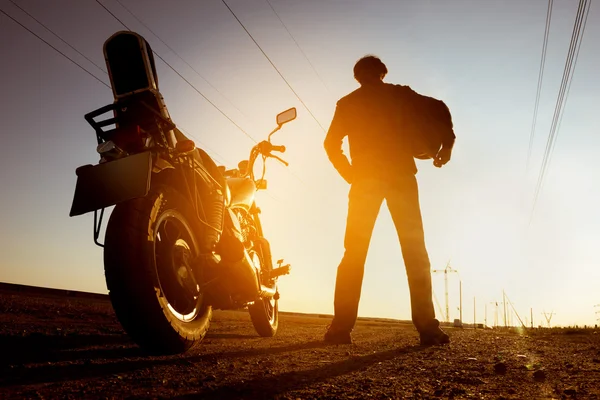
point(460, 304)
point(474, 314)
point(504, 305)
point(531, 311)
point(515, 311)
point(485, 324)
point(446, 271)
point(495, 303)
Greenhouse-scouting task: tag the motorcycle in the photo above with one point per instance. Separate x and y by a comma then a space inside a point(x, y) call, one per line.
point(184, 236)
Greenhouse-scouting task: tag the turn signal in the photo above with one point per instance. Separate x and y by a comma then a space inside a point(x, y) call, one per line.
point(185, 146)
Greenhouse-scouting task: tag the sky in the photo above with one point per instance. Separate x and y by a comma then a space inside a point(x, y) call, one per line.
point(481, 58)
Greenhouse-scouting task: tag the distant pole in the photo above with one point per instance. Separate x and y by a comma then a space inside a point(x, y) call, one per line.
point(514, 311)
point(496, 318)
point(446, 289)
point(485, 315)
point(495, 304)
point(531, 310)
point(474, 314)
point(504, 305)
point(460, 294)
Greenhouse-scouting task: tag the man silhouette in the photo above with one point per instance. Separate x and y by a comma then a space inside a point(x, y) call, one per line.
point(377, 120)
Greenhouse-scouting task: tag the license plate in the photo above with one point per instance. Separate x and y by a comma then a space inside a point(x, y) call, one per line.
point(110, 183)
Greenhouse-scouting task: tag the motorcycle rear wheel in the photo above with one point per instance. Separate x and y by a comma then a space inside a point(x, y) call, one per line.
point(264, 312)
point(149, 245)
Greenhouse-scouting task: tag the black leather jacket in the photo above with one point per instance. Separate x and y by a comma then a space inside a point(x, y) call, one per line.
point(376, 120)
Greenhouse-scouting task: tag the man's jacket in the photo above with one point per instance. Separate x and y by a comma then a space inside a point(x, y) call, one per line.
point(380, 122)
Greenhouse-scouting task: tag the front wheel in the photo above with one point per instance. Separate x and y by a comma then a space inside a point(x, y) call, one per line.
point(157, 297)
point(264, 312)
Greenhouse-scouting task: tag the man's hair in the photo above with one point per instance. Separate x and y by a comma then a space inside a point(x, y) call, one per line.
point(369, 68)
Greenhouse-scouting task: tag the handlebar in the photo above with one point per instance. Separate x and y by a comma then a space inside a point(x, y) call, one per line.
point(263, 149)
point(280, 149)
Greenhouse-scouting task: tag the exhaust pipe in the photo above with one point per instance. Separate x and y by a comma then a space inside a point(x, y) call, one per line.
point(246, 279)
point(242, 275)
point(267, 292)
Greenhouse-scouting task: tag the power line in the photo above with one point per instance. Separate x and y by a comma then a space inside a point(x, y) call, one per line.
point(57, 36)
point(205, 98)
point(193, 87)
point(298, 45)
point(178, 56)
point(272, 64)
point(113, 15)
point(48, 29)
point(571, 80)
point(571, 61)
point(567, 76)
point(184, 79)
point(540, 78)
point(55, 49)
point(218, 157)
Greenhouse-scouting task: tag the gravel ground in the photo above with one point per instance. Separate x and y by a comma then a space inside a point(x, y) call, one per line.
point(67, 347)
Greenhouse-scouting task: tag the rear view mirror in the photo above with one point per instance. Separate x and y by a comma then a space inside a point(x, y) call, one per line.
point(286, 116)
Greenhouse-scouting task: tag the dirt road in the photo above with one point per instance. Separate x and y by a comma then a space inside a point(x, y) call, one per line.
point(70, 347)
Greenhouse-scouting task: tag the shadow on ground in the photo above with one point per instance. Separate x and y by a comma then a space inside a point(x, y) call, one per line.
point(271, 386)
point(14, 375)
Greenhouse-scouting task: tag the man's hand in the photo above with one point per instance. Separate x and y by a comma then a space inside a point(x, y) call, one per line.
point(442, 157)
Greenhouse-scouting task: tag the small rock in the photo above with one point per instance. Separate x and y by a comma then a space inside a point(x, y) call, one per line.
point(438, 393)
point(471, 358)
point(512, 391)
point(210, 378)
point(596, 360)
point(539, 375)
point(570, 391)
point(568, 365)
point(348, 353)
point(521, 356)
point(500, 368)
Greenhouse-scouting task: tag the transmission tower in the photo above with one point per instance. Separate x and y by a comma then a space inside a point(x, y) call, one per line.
point(445, 271)
point(548, 316)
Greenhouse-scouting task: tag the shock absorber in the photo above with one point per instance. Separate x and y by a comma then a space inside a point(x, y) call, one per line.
point(214, 216)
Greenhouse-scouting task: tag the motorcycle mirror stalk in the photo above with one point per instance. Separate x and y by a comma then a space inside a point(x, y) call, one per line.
point(283, 118)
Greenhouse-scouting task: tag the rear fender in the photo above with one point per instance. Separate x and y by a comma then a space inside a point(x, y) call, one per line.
point(104, 185)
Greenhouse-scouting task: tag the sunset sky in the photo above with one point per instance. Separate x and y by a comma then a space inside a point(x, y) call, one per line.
point(481, 57)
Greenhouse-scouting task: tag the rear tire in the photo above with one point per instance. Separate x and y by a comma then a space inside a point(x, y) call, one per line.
point(148, 247)
point(264, 313)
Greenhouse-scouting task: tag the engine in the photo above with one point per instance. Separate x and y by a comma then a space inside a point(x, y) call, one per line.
point(248, 229)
